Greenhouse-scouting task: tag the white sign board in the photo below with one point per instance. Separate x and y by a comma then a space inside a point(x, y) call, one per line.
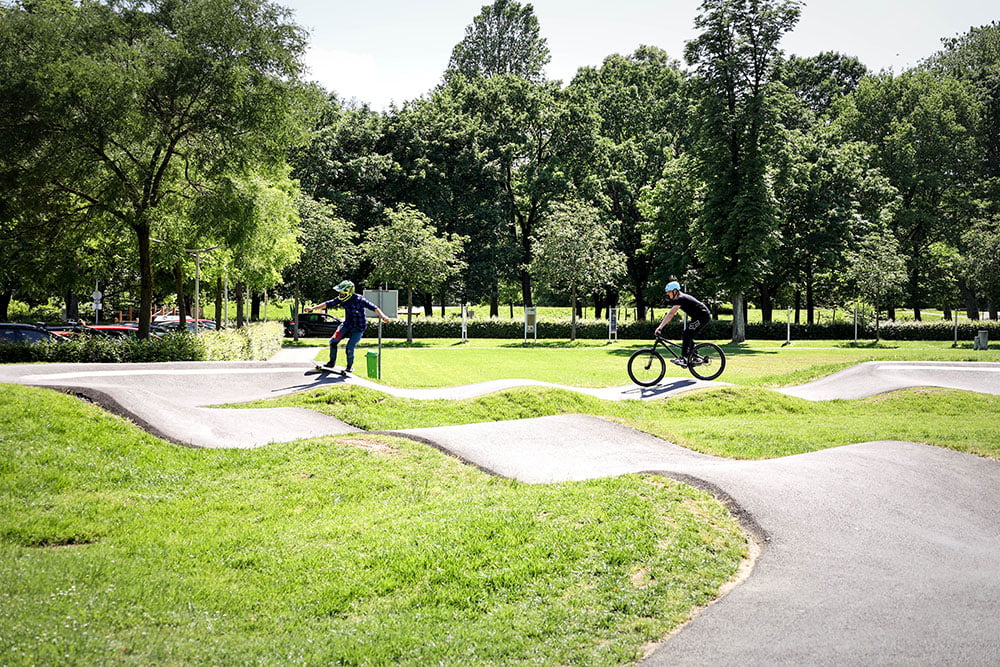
point(530, 324)
point(386, 299)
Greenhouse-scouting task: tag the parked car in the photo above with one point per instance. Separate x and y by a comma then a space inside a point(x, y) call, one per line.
point(119, 330)
point(169, 326)
point(13, 332)
point(313, 324)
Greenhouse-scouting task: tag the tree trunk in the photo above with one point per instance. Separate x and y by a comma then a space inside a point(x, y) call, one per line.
point(766, 303)
point(971, 303)
point(572, 329)
point(5, 298)
point(72, 305)
point(494, 301)
point(798, 305)
point(179, 288)
point(255, 301)
point(218, 303)
point(409, 314)
point(240, 304)
point(145, 279)
point(428, 304)
point(739, 319)
point(640, 305)
point(810, 301)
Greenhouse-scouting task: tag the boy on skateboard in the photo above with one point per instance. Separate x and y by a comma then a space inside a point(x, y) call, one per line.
point(354, 323)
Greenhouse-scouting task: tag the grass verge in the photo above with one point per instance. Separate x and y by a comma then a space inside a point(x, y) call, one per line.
point(116, 547)
point(735, 422)
point(440, 363)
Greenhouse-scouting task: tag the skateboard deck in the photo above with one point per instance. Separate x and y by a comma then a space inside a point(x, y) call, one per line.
point(326, 369)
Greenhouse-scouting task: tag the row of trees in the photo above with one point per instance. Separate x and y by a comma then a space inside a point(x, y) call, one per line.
point(748, 175)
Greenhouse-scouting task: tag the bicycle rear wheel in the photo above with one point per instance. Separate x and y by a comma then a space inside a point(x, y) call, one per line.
point(646, 367)
point(707, 361)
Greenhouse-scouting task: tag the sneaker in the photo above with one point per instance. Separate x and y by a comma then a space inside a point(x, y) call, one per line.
point(349, 369)
point(680, 361)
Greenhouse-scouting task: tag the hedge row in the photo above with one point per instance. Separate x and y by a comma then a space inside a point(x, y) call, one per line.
point(254, 342)
point(716, 329)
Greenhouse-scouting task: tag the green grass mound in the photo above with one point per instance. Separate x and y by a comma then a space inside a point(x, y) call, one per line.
point(118, 547)
point(735, 422)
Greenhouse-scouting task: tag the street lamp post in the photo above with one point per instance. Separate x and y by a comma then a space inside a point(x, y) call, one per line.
point(197, 283)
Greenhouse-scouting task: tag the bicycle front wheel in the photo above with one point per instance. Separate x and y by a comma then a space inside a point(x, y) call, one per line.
point(707, 361)
point(646, 367)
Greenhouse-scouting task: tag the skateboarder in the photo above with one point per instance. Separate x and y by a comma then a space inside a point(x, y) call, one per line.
point(353, 326)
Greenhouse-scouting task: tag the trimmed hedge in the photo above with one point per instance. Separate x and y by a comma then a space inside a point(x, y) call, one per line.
point(716, 329)
point(254, 342)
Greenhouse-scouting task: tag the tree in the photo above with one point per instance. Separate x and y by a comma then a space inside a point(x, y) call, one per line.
point(734, 59)
point(408, 252)
point(536, 139)
point(444, 172)
point(574, 252)
point(329, 251)
point(983, 239)
point(642, 103)
point(131, 107)
point(503, 39)
point(821, 80)
point(878, 270)
point(922, 127)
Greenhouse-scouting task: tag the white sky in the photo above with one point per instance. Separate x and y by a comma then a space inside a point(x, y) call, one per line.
point(383, 51)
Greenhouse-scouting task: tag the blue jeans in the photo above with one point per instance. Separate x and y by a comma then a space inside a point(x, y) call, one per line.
point(353, 338)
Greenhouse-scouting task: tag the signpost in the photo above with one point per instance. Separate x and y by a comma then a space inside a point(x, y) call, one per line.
point(530, 324)
point(612, 324)
point(465, 322)
point(96, 296)
point(388, 303)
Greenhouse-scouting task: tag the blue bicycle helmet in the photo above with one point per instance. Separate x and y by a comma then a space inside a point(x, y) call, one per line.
point(672, 285)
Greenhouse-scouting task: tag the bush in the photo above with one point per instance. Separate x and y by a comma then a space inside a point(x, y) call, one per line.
point(254, 342)
point(716, 329)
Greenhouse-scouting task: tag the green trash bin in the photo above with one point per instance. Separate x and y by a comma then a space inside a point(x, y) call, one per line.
point(372, 358)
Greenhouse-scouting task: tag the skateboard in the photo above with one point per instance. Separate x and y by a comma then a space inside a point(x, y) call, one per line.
point(326, 369)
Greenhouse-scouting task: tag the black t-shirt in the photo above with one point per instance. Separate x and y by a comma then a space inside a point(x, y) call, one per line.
point(693, 308)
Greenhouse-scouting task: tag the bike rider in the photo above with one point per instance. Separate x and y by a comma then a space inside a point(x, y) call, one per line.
point(697, 313)
point(353, 326)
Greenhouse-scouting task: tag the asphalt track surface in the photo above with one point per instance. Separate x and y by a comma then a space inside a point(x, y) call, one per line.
point(874, 553)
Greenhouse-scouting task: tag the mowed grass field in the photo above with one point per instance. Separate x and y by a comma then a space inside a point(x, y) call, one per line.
point(439, 363)
point(116, 547)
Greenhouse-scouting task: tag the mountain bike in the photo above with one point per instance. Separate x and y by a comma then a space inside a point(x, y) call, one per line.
point(647, 366)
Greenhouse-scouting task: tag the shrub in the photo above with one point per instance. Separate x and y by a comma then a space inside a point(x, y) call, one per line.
point(254, 342)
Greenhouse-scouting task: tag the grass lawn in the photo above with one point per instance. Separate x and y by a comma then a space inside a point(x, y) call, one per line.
point(438, 363)
point(116, 547)
point(735, 422)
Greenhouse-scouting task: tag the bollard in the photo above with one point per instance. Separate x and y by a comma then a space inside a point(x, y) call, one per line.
point(982, 340)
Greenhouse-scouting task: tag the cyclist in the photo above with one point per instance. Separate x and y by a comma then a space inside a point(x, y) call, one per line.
point(353, 326)
point(697, 312)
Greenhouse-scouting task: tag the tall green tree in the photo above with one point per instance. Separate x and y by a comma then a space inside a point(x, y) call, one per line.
point(443, 171)
point(536, 139)
point(734, 59)
point(129, 106)
point(575, 252)
point(922, 125)
point(408, 252)
point(503, 39)
point(643, 105)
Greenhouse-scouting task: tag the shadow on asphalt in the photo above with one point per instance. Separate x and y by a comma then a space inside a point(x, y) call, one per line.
point(320, 380)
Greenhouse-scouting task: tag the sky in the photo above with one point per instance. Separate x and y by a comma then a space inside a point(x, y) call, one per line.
point(389, 51)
